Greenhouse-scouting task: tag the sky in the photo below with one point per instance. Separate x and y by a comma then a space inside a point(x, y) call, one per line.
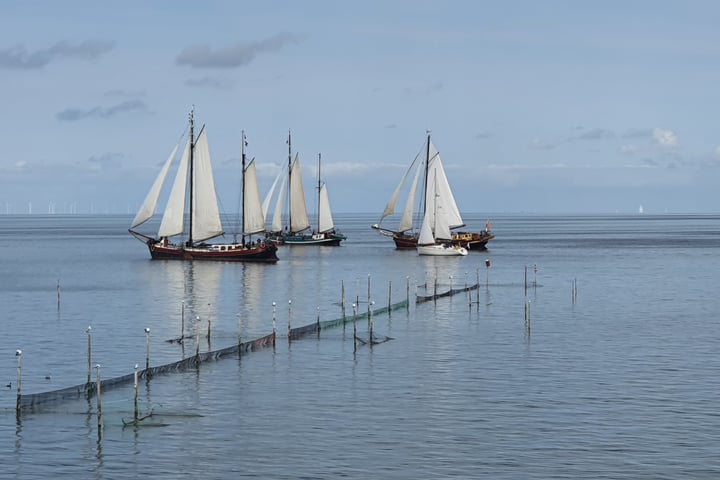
point(534, 106)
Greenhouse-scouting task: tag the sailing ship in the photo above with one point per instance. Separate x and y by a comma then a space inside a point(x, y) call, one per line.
point(406, 236)
point(194, 186)
point(296, 230)
point(435, 237)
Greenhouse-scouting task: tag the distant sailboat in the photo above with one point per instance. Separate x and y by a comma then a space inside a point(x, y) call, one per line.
point(294, 233)
point(195, 186)
point(406, 236)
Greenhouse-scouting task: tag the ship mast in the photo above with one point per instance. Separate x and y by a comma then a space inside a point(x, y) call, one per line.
point(289, 184)
point(318, 197)
point(192, 175)
point(242, 195)
point(427, 169)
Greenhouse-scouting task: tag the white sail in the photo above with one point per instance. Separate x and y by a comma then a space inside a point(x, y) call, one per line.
point(406, 222)
point(277, 224)
point(147, 210)
point(268, 197)
point(441, 230)
point(325, 220)
point(173, 217)
point(426, 236)
point(206, 216)
point(298, 208)
point(442, 190)
point(253, 218)
point(390, 207)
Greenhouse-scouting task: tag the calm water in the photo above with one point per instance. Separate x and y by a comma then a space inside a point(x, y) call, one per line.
point(622, 383)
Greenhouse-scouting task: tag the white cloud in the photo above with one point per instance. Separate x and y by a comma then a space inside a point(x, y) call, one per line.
point(665, 138)
point(539, 144)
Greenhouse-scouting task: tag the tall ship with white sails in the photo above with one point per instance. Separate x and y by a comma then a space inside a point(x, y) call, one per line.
point(431, 182)
point(187, 237)
point(297, 230)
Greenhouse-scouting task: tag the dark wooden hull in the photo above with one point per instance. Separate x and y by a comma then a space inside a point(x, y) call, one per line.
point(322, 239)
point(262, 252)
point(471, 240)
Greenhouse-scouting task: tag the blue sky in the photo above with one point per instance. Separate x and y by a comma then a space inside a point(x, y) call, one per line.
point(548, 107)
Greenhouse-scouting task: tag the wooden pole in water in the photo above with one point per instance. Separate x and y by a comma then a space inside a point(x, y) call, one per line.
point(342, 298)
point(389, 296)
point(147, 349)
point(354, 327)
point(182, 320)
point(407, 292)
point(197, 336)
point(318, 320)
point(527, 315)
point(273, 325)
point(526, 280)
point(289, 320)
point(99, 397)
point(18, 354)
point(58, 294)
point(451, 283)
point(370, 323)
point(487, 272)
point(89, 356)
point(477, 275)
point(136, 393)
point(368, 293)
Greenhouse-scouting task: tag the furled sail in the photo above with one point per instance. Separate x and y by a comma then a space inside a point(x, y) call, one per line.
point(325, 220)
point(253, 219)
point(206, 216)
point(298, 208)
point(173, 217)
point(147, 210)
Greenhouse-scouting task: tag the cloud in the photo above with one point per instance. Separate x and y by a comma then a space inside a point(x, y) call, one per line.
point(594, 134)
point(75, 114)
point(483, 135)
point(210, 82)
point(638, 133)
point(202, 56)
point(629, 149)
point(19, 58)
point(539, 144)
point(107, 161)
point(665, 138)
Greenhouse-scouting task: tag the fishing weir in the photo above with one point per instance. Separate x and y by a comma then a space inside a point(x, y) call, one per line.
point(31, 403)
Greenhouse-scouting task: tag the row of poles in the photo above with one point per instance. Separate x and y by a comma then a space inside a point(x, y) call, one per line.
point(355, 307)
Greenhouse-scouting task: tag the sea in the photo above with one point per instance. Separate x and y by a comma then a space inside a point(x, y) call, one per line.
point(586, 347)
